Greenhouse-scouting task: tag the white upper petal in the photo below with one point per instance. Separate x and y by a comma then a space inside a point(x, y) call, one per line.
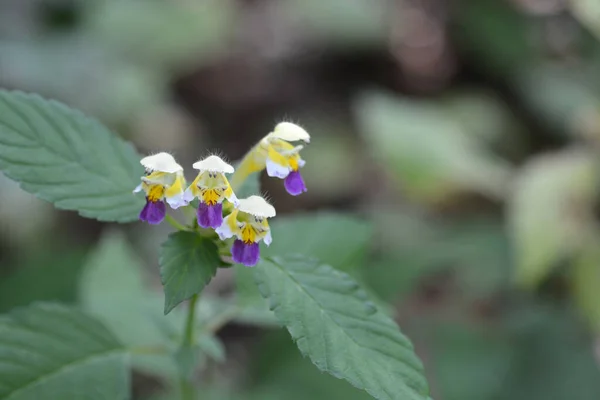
point(257, 206)
point(214, 164)
point(163, 162)
point(290, 132)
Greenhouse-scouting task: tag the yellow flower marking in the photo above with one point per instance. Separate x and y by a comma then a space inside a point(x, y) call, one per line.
point(155, 193)
point(176, 188)
point(248, 234)
point(210, 196)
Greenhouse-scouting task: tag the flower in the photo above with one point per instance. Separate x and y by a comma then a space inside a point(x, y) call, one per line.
point(281, 158)
point(163, 181)
point(248, 223)
point(211, 187)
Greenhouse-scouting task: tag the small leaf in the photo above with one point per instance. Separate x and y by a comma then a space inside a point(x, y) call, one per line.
point(68, 159)
point(343, 334)
point(49, 351)
point(187, 263)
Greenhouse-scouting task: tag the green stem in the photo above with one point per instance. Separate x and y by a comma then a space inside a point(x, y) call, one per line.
point(185, 384)
point(188, 338)
point(176, 224)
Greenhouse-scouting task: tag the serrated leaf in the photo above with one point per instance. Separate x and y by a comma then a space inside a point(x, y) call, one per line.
point(53, 352)
point(112, 288)
point(550, 211)
point(336, 239)
point(68, 159)
point(332, 322)
point(188, 262)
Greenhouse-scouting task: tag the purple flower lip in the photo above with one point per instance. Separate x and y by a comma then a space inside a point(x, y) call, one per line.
point(247, 254)
point(294, 184)
point(153, 212)
point(210, 216)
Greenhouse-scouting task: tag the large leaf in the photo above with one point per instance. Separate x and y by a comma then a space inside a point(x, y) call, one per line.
point(336, 239)
point(113, 289)
point(550, 211)
point(53, 352)
point(63, 157)
point(188, 262)
point(342, 333)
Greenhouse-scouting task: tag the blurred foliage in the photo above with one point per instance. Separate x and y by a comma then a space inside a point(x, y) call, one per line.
point(455, 148)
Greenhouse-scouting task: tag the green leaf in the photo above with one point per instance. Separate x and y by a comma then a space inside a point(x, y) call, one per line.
point(342, 333)
point(68, 159)
point(550, 211)
point(113, 289)
point(187, 263)
point(50, 352)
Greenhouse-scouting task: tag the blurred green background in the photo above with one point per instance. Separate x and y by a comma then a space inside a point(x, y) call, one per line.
point(454, 171)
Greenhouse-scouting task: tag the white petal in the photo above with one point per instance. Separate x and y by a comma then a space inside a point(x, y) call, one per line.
point(224, 231)
point(290, 132)
point(257, 206)
point(188, 195)
point(233, 199)
point(177, 201)
point(301, 163)
point(268, 238)
point(138, 188)
point(213, 164)
point(163, 162)
point(276, 170)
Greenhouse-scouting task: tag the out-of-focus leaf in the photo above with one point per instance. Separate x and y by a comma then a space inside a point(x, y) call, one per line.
point(46, 276)
point(343, 334)
point(188, 262)
point(343, 23)
point(116, 91)
point(49, 351)
point(550, 211)
point(588, 12)
point(170, 35)
point(564, 99)
point(568, 371)
point(339, 240)
point(585, 281)
point(280, 372)
point(470, 364)
point(66, 158)
point(428, 150)
point(112, 288)
point(495, 34)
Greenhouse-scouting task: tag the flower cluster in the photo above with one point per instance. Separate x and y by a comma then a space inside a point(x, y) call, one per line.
point(246, 219)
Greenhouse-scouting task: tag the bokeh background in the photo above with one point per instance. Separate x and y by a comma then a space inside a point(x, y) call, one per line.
point(462, 138)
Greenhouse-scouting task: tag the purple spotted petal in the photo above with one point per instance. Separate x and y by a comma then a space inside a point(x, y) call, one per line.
point(153, 212)
point(210, 216)
point(245, 253)
point(294, 184)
